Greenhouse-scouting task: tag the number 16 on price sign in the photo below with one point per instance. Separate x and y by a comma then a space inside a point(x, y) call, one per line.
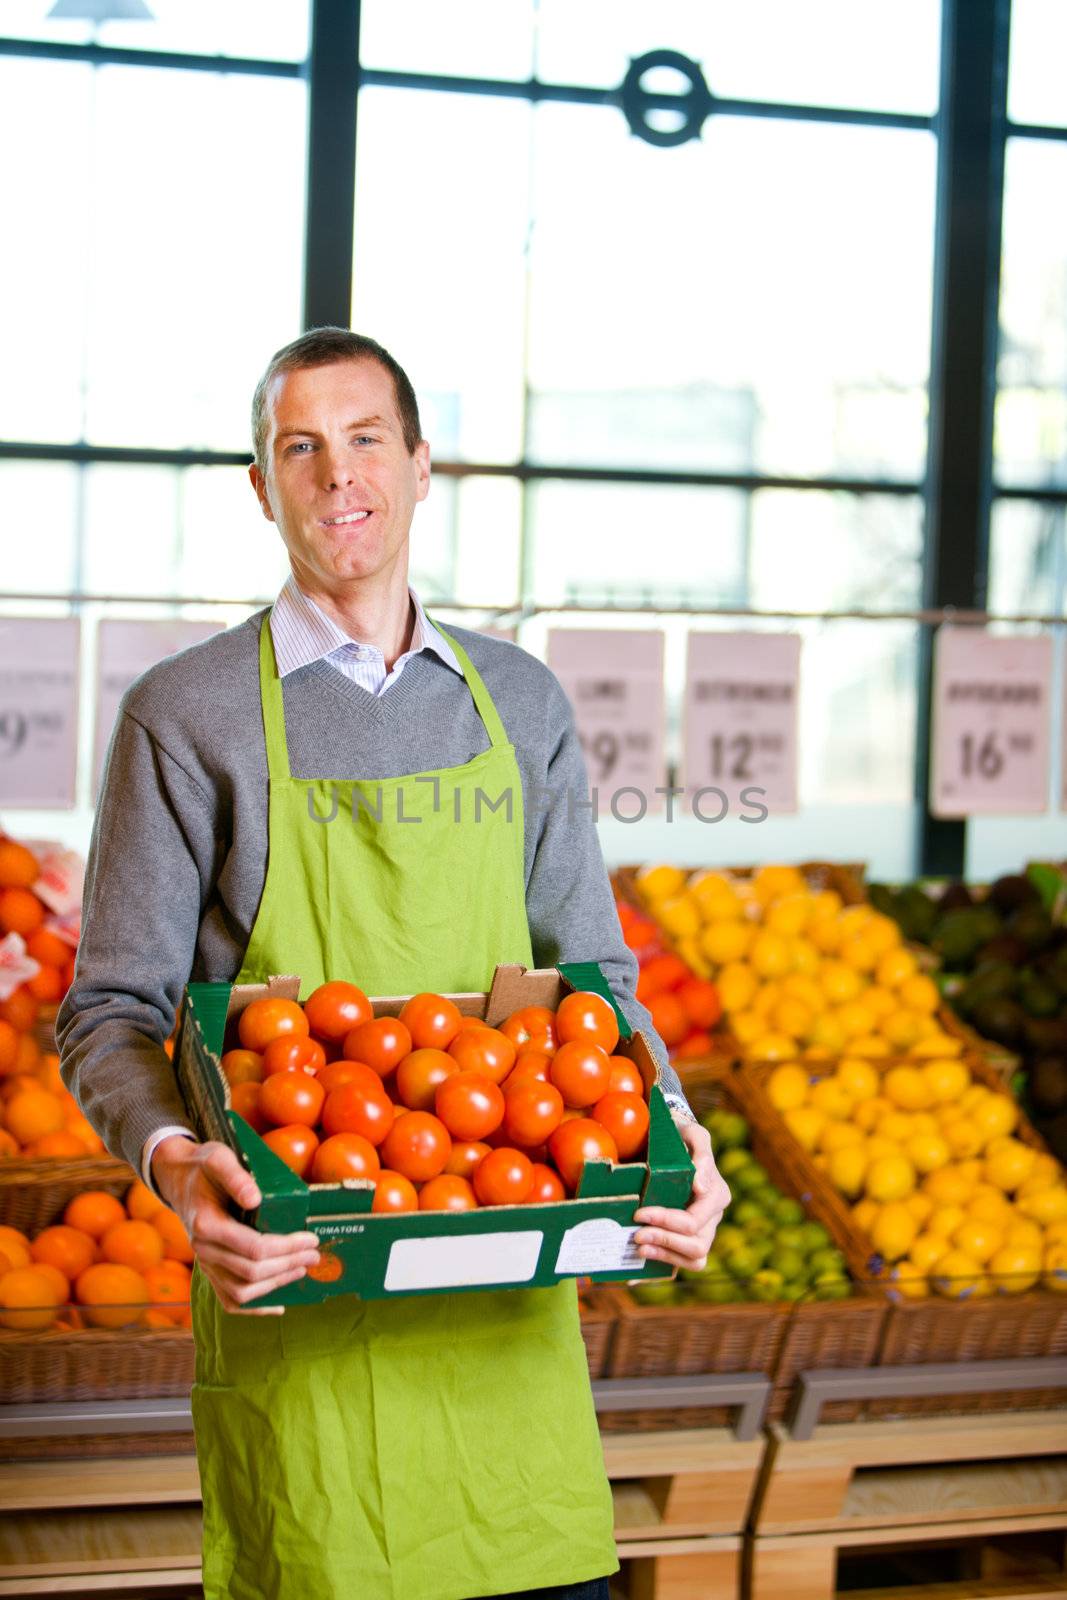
point(991, 723)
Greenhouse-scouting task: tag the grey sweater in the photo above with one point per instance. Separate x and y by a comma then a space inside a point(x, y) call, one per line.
point(178, 856)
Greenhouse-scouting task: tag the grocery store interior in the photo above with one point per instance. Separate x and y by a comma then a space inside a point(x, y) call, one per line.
point(739, 334)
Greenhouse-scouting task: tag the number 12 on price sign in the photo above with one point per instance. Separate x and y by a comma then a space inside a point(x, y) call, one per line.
point(741, 720)
point(991, 723)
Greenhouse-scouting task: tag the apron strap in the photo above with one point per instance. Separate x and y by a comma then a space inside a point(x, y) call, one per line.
point(479, 693)
point(270, 690)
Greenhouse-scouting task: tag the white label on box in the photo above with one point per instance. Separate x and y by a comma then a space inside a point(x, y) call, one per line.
point(599, 1245)
point(614, 681)
point(462, 1261)
point(125, 649)
point(991, 723)
point(38, 711)
point(741, 695)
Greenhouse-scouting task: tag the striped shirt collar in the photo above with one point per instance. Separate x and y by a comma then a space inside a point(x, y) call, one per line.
point(303, 633)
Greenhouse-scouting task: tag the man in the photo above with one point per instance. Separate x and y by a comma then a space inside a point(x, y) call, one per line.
point(434, 1447)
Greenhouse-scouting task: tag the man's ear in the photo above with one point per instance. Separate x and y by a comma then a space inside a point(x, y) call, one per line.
point(259, 483)
point(422, 464)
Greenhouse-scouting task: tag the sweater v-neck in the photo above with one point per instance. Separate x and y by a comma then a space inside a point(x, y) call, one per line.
point(382, 710)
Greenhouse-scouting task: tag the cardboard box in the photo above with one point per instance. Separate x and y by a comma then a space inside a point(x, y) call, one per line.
point(426, 1252)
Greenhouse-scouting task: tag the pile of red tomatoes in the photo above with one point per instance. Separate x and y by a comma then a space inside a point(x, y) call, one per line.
point(439, 1110)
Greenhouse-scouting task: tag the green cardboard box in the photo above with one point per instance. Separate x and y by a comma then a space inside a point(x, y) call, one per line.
point(426, 1252)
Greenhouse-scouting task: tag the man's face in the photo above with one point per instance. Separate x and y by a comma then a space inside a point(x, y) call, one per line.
point(340, 483)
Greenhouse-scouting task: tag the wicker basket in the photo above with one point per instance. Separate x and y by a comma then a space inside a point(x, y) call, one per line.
point(845, 877)
point(933, 1330)
point(1002, 1061)
point(598, 1324)
point(34, 1194)
point(95, 1364)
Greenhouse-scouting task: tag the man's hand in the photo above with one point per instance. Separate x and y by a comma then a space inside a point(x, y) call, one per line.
point(683, 1238)
point(239, 1263)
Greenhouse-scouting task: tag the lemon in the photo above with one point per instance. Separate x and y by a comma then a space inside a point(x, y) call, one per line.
point(989, 1205)
point(935, 1043)
point(869, 1112)
point(907, 1088)
point(770, 955)
point(659, 883)
point(805, 1123)
point(746, 1026)
point(854, 919)
point(957, 1275)
point(816, 1052)
point(793, 1017)
point(910, 1281)
point(964, 1137)
point(1014, 1268)
point(924, 1122)
point(871, 1046)
point(1009, 1165)
point(895, 1125)
point(789, 915)
point(901, 1029)
point(879, 1000)
point(877, 1147)
point(806, 959)
point(947, 1188)
point(825, 903)
point(1055, 1268)
point(883, 933)
point(772, 1047)
point(766, 998)
point(829, 1096)
point(945, 1221)
point(846, 1169)
point(826, 935)
point(1020, 1230)
point(839, 1136)
point(825, 1034)
point(973, 1095)
point(1047, 1205)
point(996, 1115)
point(691, 953)
point(860, 952)
point(890, 1178)
point(921, 1206)
point(894, 1231)
point(715, 897)
point(774, 882)
point(977, 1239)
point(919, 993)
point(858, 1079)
point(926, 1249)
point(864, 1213)
point(927, 1152)
point(787, 1087)
point(855, 1019)
point(678, 914)
point(840, 983)
point(1046, 1169)
point(800, 986)
point(896, 967)
point(947, 1080)
point(1055, 1233)
point(726, 941)
point(736, 984)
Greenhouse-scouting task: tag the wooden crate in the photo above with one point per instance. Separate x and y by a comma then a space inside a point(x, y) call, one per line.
point(34, 1194)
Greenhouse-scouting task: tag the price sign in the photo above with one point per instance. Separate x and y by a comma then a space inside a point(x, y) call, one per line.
point(614, 681)
point(990, 723)
point(38, 711)
point(125, 650)
point(741, 699)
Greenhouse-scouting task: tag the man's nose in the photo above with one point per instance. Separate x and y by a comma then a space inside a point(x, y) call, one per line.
point(337, 467)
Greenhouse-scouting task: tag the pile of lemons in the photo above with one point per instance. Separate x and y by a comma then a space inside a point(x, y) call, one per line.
point(936, 1178)
point(798, 972)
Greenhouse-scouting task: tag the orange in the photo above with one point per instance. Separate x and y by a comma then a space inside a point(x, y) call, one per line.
point(57, 1146)
point(76, 1124)
point(48, 948)
point(141, 1203)
point(54, 1276)
point(8, 1146)
point(169, 1286)
point(28, 1054)
point(9, 1044)
point(169, 1226)
point(64, 1247)
point(113, 1295)
point(15, 1246)
point(18, 866)
point(28, 1299)
point(133, 1244)
point(31, 1114)
point(48, 1076)
point(93, 1212)
point(20, 912)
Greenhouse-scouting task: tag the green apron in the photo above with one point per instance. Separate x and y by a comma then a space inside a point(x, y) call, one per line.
point(433, 1447)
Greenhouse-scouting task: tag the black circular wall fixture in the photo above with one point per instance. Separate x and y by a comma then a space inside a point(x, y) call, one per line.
point(694, 104)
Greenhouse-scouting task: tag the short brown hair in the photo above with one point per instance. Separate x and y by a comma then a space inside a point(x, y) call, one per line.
point(322, 347)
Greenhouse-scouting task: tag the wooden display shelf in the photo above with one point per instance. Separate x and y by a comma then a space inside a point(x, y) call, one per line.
point(681, 1569)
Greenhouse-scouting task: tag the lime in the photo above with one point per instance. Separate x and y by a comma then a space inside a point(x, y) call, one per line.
point(732, 1161)
point(815, 1236)
point(792, 1238)
point(661, 1293)
point(728, 1130)
point(790, 1263)
point(750, 1176)
point(826, 1261)
point(793, 1291)
point(727, 1238)
point(788, 1212)
point(716, 1291)
point(828, 1286)
point(766, 1285)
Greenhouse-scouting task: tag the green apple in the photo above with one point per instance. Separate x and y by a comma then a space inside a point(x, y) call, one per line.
point(733, 1161)
point(790, 1263)
point(821, 1262)
point(792, 1238)
point(657, 1292)
point(815, 1236)
point(750, 1176)
point(789, 1212)
point(717, 1291)
point(829, 1286)
point(766, 1285)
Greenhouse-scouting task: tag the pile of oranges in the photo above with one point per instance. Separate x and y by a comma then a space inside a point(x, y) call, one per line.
point(105, 1265)
point(39, 1117)
point(440, 1111)
point(23, 913)
point(684, 1005)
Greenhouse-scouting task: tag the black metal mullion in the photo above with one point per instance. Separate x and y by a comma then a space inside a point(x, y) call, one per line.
point(333, 87)
point(971, 127)
point(100, 55)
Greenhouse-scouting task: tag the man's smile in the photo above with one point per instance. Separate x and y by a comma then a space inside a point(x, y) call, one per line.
point(343, 521)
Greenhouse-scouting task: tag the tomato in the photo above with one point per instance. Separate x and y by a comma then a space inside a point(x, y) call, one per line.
point(532, 1111)
point(295, 1145)
point(580, 1072)
point(531, 1027)
point(244, 1098)
point(289, 1097)
point(576, 1142)
point(547, 1187)
point(432, 1021)
point(265, 1020)
point(382, 1043)
point(242, 1066)
point(20, 1009)
point(625, 1078)
point(701, 1001)
point(668, 1018)
point(418, 1145)
point(46, 984)
point(289, 1053)
point(359, 1107)
point(483, 1050)
point(336, 1008)
point(465, 1157)
point(695, 1045)
point(504, 1178)
point(420, 1073)
point(334, 1073)
point(530, 1064)
point(589, 1018)
point(625, 1116)
point(470, 1106)
point(448, 1193)
point(472, 1022)
point(394, 1192)
point(661, 973)
point(344, 1155)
